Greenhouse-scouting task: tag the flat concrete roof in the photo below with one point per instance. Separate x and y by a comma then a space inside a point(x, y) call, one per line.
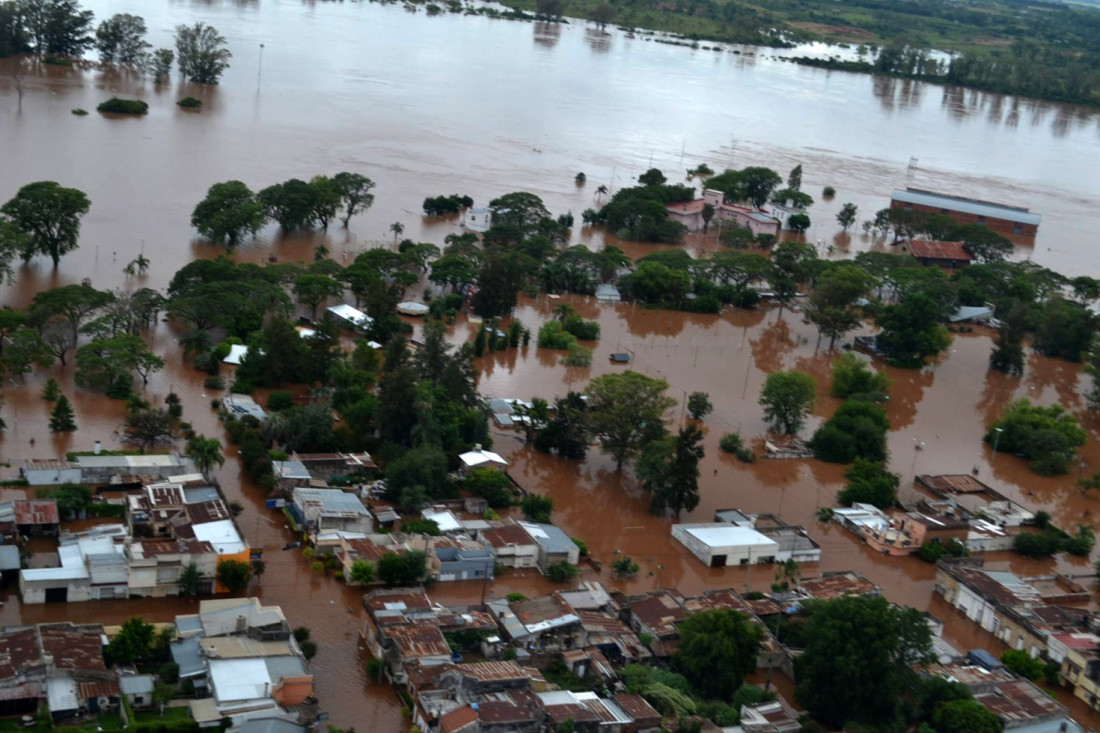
point(727, 535)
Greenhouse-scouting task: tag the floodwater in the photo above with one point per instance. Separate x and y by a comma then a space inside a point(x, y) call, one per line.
point(481, 107)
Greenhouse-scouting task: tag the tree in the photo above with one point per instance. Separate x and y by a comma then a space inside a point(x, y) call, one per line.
point(234, 575)
point(453, 271)
point(354, 192)
point(851, 377)
point(190, 581)
point(965, 716)
point(51, 390)
point(601, 15)
point(407, 568)
point(847, 216)
point(313, 289)
point(61, 417)
point(50, 215)
point(25, 348)
point(13, 242)
point(984, 244)
point(869, 483)
point(150, 428)
point(162, 694)
point(121, 39)
point(76, 304)
point(107, 364)
point(201, 52)
point(856, 429)
point(562, 572)
point(491, 484)
point(1023, 664)
point(794, 178)
point(292, 203)
point(398, 229)
point(669, 470)
point(1008, 351)
point(787, 398)
point(362, 573)
point(792, 265)
point(624, 567)
point(229, 210)
point(699, 405)
point(832, 304)
point(798, 222)
point(859, 657)
point(537, 508)
point(718, 649)
point(57, 27)
point(911, 331)
point(133, 641)
point(626, 411)
point(161, 64)
point(549, 9)
point(1046, 436)
point(205, 452)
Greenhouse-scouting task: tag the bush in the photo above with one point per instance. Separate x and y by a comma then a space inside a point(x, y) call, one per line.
point(856, 430)
point(828, 192)
point(1047, 436)
point(578, 356)
point(190, 103)
point(581, 545)
point(851, 377)
point(1023, 664)
point(552, 335)
point(869, 483)
point(240, 386)
point(80, 112)
point(117, 106)
point(279, 400)
point(214, 382)
point(516, 597)
point(730, 443)
point(582, 329)
point(57, 61)
point(562, 572)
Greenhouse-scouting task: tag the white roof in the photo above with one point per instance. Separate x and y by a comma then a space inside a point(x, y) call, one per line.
point(42, 574)
point(61, 692)
point(864, 515)
point(481, 457)
point(236, 353)
point(445, 518)
point(240, 679)
point(727, 535)
point(222, 535)
point(350, 314)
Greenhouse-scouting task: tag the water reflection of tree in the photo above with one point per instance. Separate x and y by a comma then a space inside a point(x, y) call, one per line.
point(997, 392)
point(597, 40)
point(771, 345)
point(646, 322)
point(906, 393)
point(547, 34)
point(1043, 372)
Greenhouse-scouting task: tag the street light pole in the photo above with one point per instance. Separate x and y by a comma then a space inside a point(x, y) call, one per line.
point(996, 442)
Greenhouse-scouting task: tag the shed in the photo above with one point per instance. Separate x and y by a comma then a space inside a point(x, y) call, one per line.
point(236, 354)
point(350, 316)
point(608, 293)
point(620, 357)
point(984, 659)
point(479, 457)
point(138, 689)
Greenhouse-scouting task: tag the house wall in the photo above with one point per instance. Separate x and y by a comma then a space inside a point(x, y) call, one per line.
point(292, 690)
point(34, 592)
point(517, 556)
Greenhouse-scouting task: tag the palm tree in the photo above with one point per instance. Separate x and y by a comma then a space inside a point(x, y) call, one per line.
point(600, 192)
point(564, 312)
point(397, 228)
point(195, 341)
point(205, 452)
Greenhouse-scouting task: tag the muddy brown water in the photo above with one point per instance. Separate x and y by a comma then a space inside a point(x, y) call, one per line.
point(470, 105)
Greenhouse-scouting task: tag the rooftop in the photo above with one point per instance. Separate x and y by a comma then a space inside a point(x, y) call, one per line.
point(415, 641)
point(76, 648)
point(474, 458)
point(550, 537)
point(839, 585)
point(1019, 702)
point(953, 484)
point(35, 511)
point(239, 679)
point(660, 612)
point(722, 534)
point(505, 535)
point(937, 250)
point(330, 501)
point(222, 535)
point(977, 207)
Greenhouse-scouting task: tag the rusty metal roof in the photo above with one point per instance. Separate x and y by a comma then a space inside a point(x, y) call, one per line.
point(99, 688)
point(636, 707)
point(18, 649)
point(1019, 702)
point(35, 511)
point(829, 587)
point(73, 648)
point(962, 483)
point(208, 511)
point(660, 612)
point(457, 720)
point(937, 250)
point(418, 640)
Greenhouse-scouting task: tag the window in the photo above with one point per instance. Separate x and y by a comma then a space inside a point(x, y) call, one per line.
point(981, 219)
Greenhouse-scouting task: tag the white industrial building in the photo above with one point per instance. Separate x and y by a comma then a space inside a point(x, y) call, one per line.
point(719, 544)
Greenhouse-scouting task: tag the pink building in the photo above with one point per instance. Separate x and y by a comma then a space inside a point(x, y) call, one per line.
point(690, 214)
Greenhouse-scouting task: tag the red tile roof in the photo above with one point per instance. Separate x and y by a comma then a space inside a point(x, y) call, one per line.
point(934, 250)
point(512, 534)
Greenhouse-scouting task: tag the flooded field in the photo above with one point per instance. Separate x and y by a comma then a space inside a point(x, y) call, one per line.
point(427, 106)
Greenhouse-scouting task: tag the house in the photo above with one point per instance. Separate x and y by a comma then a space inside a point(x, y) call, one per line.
point(794, 543)
point(769, 717)
point(353, 318)
point(458, 558)
point(690, 214)
point(1019, 704)
point(240, 617)
point(292, 473)
point(1021, 612)
point(936, 253)
point(50, 472)
point(544, 623)
point(105, 470)
point(77, 679)
point(588, 711)
point(512, 544)
point(155, 566)
point(479, 458)
point(645, 718)
point(608, 293)
point(998, 217)
point(331, 510)
point(719, 544)
point(242, 405)
point(839, 584)
point(657, 614)
point(36, 517)
point(138, 690)
point(329, 465)
point(555, 546)
point(479, 219)
point(369, 549)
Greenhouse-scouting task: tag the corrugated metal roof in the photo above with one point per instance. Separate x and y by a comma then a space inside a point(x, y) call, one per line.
point(967, 206)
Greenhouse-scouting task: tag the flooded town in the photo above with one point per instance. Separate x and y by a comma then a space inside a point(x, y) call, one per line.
point(443, 368)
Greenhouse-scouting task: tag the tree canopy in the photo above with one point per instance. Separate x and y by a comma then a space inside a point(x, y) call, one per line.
point(718, 649)
point(787, 398)
point(50, 215)
point(626, 411)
